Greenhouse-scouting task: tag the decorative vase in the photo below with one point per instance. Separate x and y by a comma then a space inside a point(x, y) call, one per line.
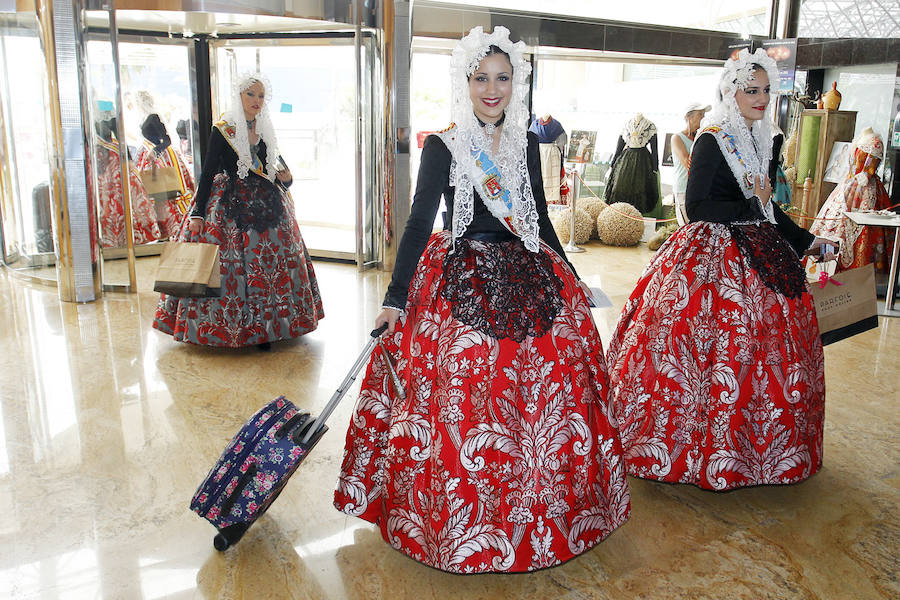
point(832, 98)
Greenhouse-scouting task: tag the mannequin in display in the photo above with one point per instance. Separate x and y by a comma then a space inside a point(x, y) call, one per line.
point(182, 128)
point(165, 175)
point(111, 195)
point(861, 190)
point(635, 166)
point(553, 141)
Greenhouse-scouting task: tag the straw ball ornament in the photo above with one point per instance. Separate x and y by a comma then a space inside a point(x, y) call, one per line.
point(594, 206)
point(621, 226)
point(561, 221)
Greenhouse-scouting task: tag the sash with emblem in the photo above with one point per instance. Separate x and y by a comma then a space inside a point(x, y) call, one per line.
point(490, 188)
point(228, 133)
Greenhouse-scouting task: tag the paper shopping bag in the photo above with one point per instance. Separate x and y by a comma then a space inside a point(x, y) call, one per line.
point(188, 269)
point(162, 182)
point(845, 304)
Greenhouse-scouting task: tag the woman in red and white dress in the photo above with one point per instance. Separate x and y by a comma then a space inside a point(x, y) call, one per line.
point(269, 286)
point(109, 179)
point(716, 365)
point(502, 455)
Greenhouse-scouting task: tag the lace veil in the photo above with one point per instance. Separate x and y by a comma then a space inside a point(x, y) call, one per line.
point(236, 117)
point(468, 138)
point(753, 145)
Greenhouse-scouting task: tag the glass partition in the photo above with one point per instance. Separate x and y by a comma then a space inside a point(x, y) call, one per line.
point(25, 213)
point(848, 18)
point(156, 89)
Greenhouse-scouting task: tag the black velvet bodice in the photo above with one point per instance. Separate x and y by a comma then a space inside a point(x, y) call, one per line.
point(221, 157)
point(713, 193)
point(432, 183)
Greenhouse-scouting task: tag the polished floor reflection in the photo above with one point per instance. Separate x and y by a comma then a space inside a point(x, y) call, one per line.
point(107, 426)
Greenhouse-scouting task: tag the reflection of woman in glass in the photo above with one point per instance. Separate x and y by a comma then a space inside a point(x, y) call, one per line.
point(183, 129)
point(165, 176)
point(242, 204)
point(716, 364)
point(109, 178)
point(501, 455)
point(860, 190)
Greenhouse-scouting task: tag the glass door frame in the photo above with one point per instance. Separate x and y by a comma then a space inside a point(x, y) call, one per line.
point(367, 158)
point(116, 36)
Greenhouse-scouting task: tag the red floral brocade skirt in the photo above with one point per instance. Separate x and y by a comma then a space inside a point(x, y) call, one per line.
point(716, 364)
point(503, 456)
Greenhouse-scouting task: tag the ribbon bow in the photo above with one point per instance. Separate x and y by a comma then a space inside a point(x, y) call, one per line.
point(825, 278)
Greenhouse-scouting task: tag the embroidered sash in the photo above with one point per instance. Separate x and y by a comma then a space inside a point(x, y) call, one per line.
point(228, 132)
point(490, 188)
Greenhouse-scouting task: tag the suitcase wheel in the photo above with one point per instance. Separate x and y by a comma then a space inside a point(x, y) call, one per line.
point(221, 543)
point(230, 536)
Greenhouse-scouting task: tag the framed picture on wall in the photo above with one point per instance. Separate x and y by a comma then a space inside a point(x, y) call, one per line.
point(581, 146)
point(838, 166)
point(667, 152)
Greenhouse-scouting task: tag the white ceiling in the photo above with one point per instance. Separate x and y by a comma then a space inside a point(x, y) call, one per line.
point(179, 22)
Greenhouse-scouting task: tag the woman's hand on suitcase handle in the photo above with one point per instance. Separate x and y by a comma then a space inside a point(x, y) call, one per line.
point(387, 318)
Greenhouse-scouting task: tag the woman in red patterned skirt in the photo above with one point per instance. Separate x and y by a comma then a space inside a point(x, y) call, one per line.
point(716, 363)
point(112, 196)
point(269, 288)
point(501, 455)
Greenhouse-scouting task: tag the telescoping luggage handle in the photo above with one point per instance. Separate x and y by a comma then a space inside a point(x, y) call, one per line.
point(313, 428)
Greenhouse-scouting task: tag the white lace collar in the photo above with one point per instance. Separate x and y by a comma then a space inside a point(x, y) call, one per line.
point(638, 131)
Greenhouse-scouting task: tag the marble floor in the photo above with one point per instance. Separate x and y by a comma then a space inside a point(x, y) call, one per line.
point(107, 426)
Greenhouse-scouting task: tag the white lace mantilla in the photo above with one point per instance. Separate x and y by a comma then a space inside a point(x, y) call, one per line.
point(747, 151)
point(467, 138)
point(264, 128)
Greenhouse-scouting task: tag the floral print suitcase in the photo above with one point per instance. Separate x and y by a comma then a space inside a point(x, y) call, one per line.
point(253, 469)
point(260, 459)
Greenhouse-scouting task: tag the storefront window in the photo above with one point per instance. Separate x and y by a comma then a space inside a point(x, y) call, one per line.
point(736, 16)
point(599, 97)
point(430, 106)
point(868, 90)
